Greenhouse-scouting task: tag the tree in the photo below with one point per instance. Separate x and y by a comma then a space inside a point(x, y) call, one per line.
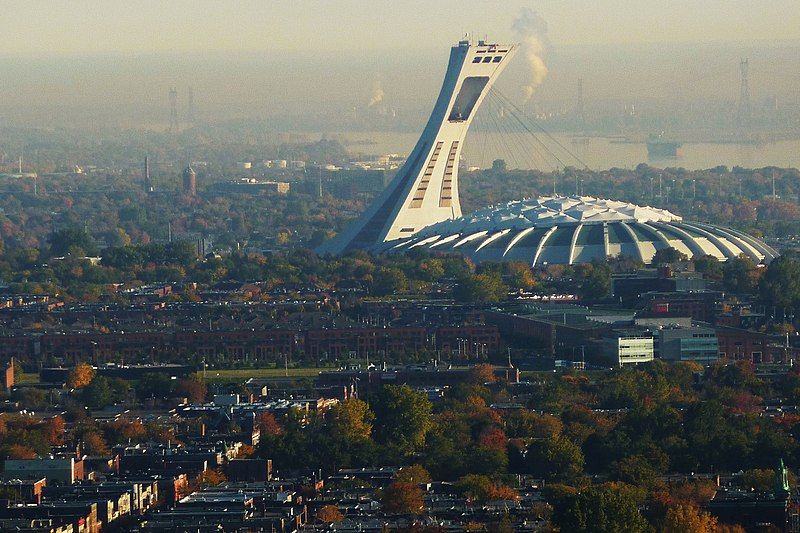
point(193, 388)
point(210, 478)
point(780, 284)
point(709, 266)
point(554, 457)
point(402, 417)
point(597, 280)
point(759, 479)
point(54, 430)
point(267, 424)
point(94, 444)
point(668, 255)
point(403, 498)
point(488, 287)
point(154, 385)
point(738, 275)
point(351, 420)
point(329, 514)
point(688, 518)
point(480, 374)
point(481, 488)
point(635, 470)
point(72, 239)
point(413, 474)
point(389, 281)
point(520, 275)
point(599, 510)
point(80, 376)
point(19, 451)
point(97, 394)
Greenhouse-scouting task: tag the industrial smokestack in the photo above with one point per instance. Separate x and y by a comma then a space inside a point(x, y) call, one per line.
point(531, 30)
point(377, 95)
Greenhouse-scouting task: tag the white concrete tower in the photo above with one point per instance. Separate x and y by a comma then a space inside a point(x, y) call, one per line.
point(425, 189)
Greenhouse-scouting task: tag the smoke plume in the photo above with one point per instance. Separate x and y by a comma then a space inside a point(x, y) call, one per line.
point(531, 30)
point(377, 94)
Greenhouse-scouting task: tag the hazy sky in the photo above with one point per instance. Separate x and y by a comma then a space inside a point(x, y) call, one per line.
point(44, 27)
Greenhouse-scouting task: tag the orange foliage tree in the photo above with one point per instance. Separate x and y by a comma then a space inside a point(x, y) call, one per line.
point(80, 376)
point(95, 444)
point(193, 388)
point(18, 451)
point(329, 514)
point(403, 498)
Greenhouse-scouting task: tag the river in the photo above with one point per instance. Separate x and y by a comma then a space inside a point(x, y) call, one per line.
point(598, 153)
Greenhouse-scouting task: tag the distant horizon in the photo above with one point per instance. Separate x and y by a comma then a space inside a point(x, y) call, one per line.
point(182, 25)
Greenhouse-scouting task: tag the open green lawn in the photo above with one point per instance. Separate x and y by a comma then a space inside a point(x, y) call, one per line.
point(27, 378)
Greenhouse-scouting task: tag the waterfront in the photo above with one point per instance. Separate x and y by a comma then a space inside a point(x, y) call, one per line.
point(598, 153)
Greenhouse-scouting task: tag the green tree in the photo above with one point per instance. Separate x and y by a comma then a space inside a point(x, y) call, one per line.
point(154, 386)
point(738, 275)
point(97, 394)
point(599, 510)
point(62, 241)
point(635, 470)
point(389, 281)
point(351, 420)
point(413, 474)
point(597, 282)
point(554, 457)
point(486, 287)
point(780, 284)
point(709, 266)
point(668, 255)
point(402, 417)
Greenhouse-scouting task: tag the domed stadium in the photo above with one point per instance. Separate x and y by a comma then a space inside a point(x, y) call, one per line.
point(578, 229)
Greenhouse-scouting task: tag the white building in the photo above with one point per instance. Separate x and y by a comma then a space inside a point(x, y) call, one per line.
point(628, 347)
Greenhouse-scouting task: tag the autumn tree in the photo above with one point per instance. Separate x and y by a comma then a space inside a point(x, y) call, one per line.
point(94, 444)
point(210, 478)
point(19, 451)
point(685, 518)
point(193, 388)
point(329, 514)
point(80, 376)
point(758, 479)
point(413, 474)
point(487, 287)
point(480, 374)
point(54, 430)
point(268, 424)
point(403, 498)
point(351, 420)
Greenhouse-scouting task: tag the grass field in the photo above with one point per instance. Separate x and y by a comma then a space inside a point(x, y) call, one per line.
point(27, 378)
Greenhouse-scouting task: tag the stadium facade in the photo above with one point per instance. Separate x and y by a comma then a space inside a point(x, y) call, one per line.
point(420, 208)
point(578, 229)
